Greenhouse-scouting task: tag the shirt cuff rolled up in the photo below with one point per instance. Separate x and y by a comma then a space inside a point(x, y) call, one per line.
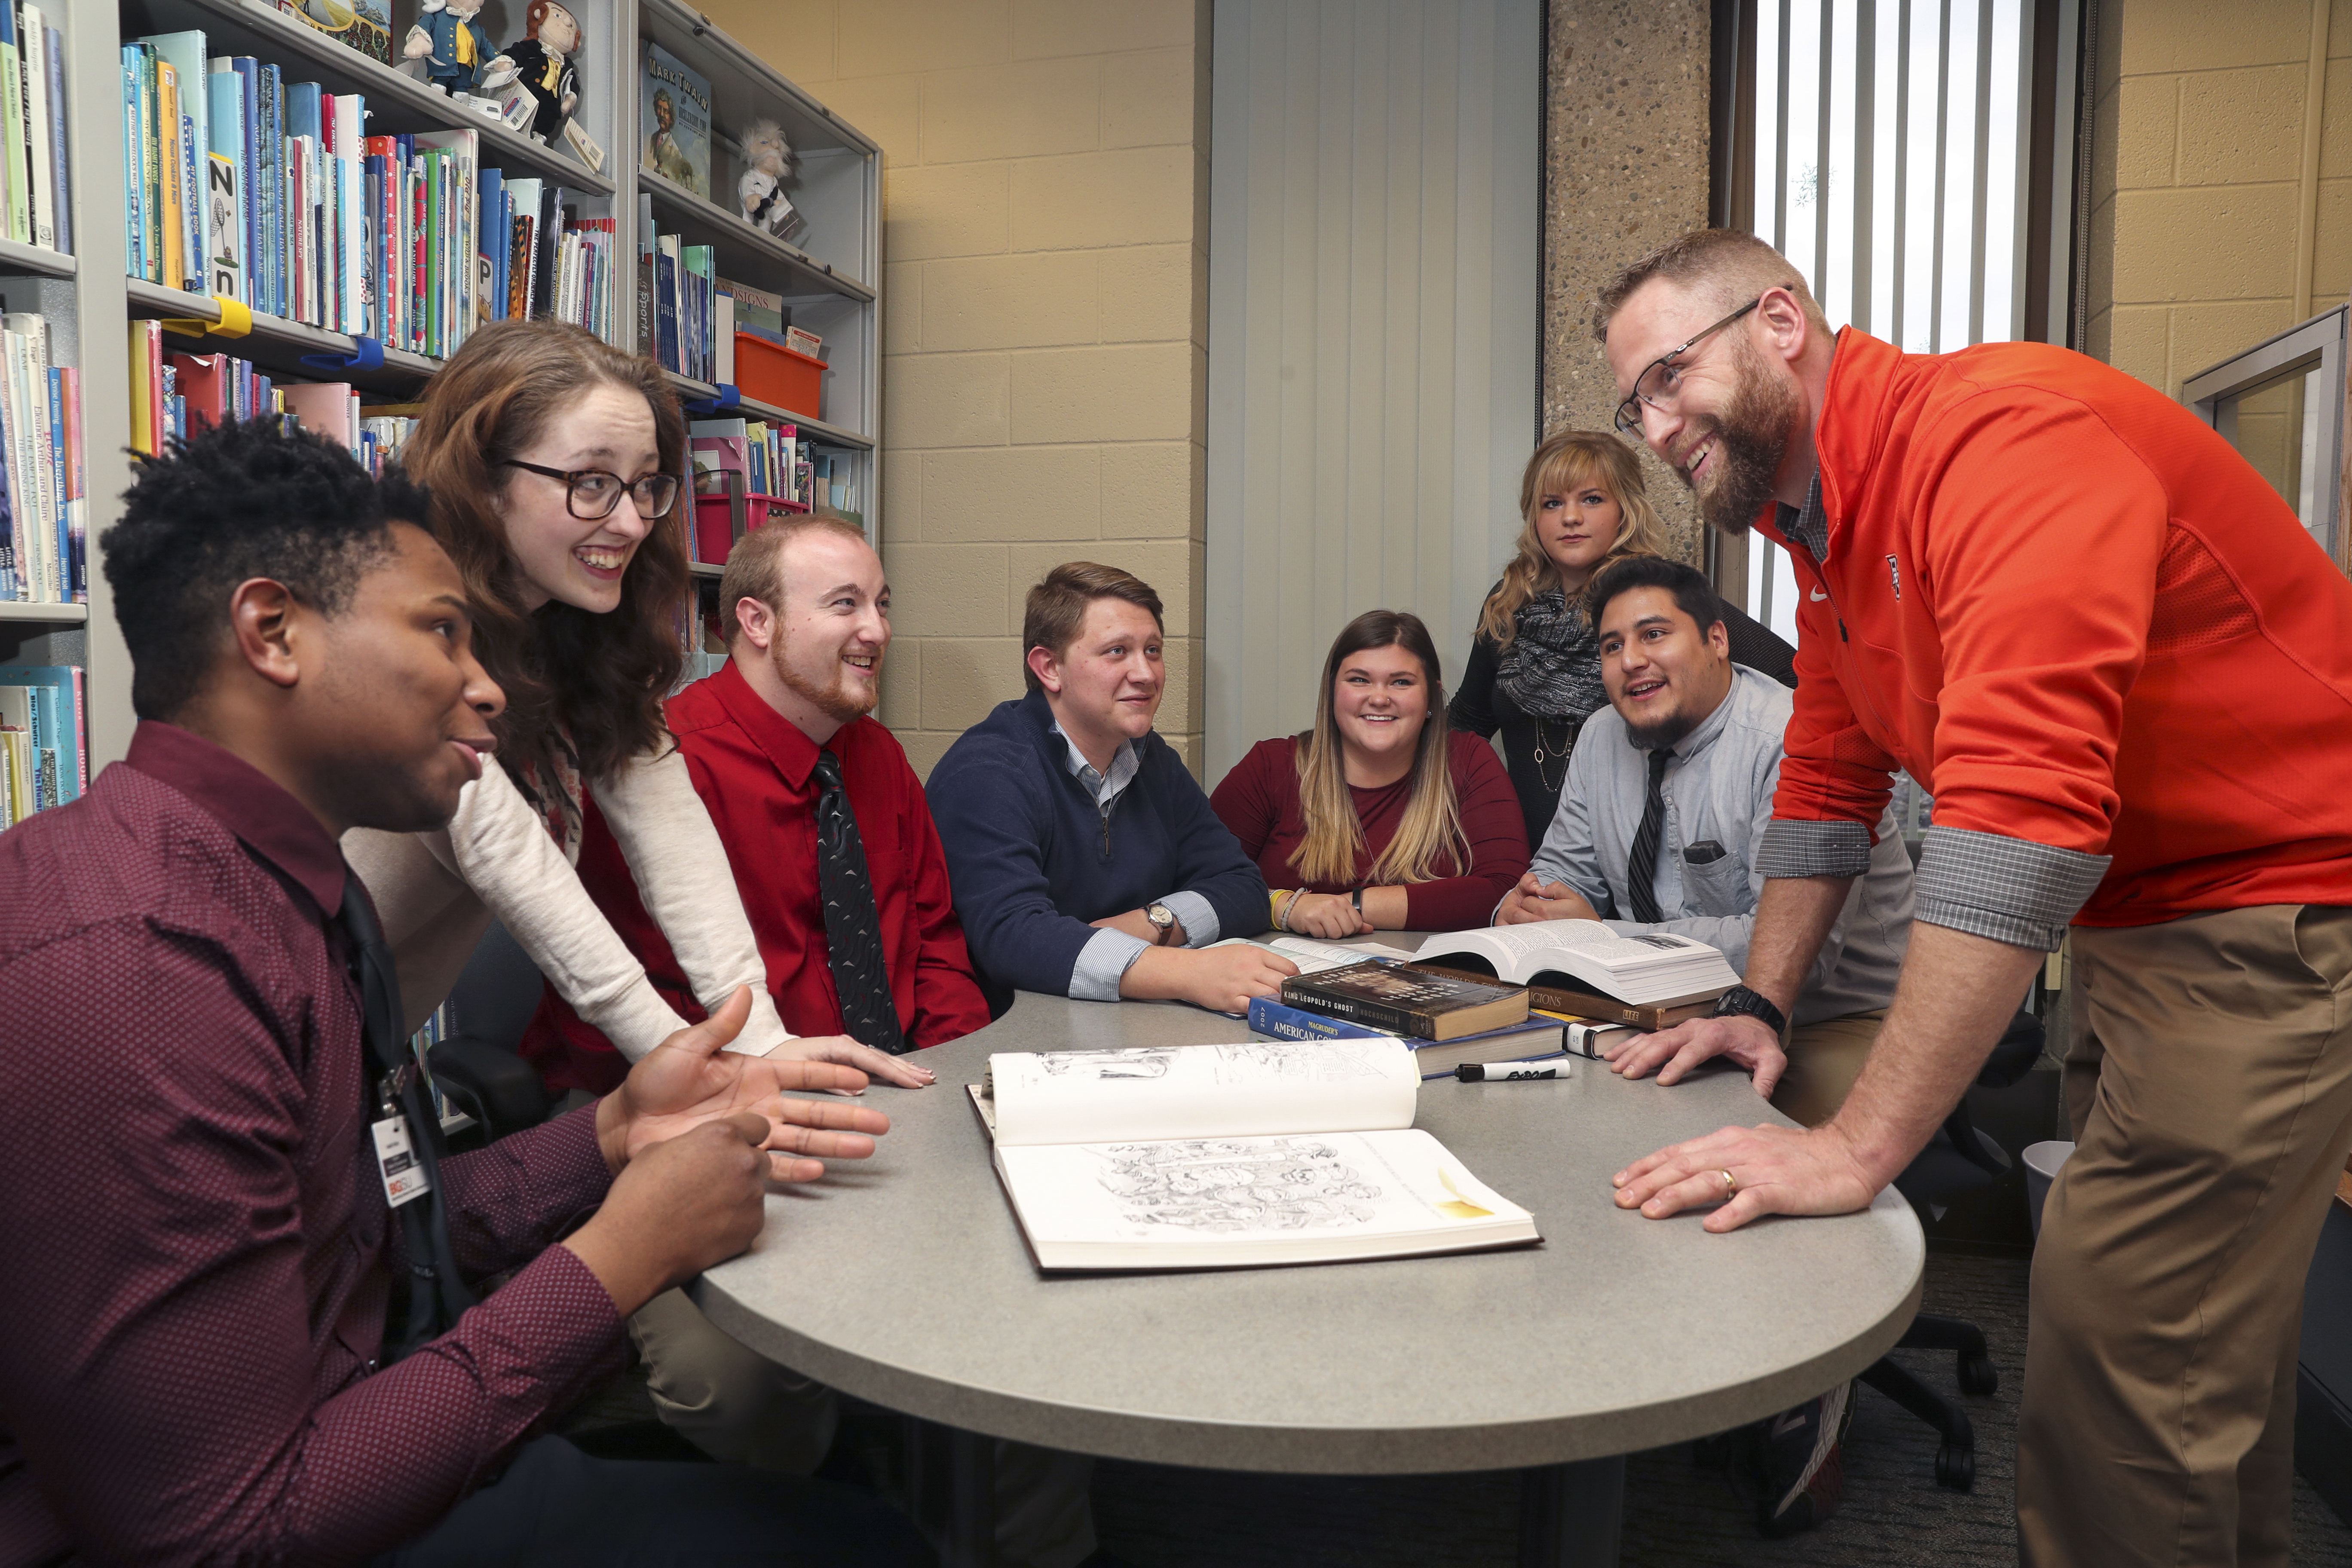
point(2003, 889)
point(1102, 962)
point(1792, 847)
point(1198, 915)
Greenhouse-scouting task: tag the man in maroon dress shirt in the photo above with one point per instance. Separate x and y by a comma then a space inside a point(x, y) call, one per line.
point(195, 1363)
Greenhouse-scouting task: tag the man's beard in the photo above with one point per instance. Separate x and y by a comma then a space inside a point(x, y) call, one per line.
point(1751, 437)
point(836, 701)
point(1665, 732)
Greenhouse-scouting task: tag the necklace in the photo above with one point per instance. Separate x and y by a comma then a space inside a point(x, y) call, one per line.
point(1559, 752)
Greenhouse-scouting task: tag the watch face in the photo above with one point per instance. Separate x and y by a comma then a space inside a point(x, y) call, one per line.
point(1161, 915)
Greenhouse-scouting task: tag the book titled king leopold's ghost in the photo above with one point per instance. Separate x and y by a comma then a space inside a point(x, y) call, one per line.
point(674, 114)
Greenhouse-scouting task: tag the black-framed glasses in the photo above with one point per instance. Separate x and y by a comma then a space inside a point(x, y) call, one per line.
point(1661, 382)
point(592, 493)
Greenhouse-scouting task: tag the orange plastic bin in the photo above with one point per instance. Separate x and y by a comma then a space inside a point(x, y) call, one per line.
point(773, 373)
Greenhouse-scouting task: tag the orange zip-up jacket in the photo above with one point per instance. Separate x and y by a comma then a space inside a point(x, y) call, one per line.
point(2076, 617)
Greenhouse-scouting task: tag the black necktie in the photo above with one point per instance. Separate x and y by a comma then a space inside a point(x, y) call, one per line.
point(1642, 872)
point(437, 1293)
point(853, 924)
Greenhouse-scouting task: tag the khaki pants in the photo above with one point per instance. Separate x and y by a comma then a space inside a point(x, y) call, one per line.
point(736, 1405)
point(2210, 1082)
point(1825, 1059)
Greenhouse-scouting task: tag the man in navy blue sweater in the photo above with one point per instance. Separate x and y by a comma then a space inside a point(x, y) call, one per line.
point(1085, 858)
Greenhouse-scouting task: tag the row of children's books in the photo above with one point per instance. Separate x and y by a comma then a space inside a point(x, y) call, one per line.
point(683, 287)
point(42, 522)
point(270, 192)
point(44, 759)
point(173, 396)
point(36, 187)
point(772, 460)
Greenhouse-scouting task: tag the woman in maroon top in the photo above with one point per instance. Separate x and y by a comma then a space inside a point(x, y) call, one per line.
point(1380, 816)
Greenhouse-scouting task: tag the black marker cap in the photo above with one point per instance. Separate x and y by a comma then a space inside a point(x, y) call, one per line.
point(1470, 1072)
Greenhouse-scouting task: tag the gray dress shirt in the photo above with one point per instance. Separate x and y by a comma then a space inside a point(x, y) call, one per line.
point(1719, 791)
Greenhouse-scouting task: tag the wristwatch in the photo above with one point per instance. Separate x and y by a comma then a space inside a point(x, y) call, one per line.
point(1357, 898)
point(1740, 1002)
point(1163, 923)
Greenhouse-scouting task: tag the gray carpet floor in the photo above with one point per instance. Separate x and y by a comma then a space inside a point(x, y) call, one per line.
point(1676, 1515)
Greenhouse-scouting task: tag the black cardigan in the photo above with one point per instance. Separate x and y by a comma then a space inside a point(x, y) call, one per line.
point(1482, 707)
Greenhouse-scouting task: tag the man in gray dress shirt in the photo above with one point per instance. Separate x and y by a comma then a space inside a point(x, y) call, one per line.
point(1709, 732)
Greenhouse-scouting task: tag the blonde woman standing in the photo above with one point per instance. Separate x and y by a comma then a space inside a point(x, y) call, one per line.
point(1535, 672)
point(1380, 816)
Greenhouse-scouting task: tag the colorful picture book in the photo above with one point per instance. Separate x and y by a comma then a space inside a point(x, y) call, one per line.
point(674, 116)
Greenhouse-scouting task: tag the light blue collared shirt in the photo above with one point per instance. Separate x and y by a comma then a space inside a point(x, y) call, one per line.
point(1104, 961)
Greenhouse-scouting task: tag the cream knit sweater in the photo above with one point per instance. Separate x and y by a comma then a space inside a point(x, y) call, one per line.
point(437, 892)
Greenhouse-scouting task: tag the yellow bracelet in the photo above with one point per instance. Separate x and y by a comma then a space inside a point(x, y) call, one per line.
point(1273, 904)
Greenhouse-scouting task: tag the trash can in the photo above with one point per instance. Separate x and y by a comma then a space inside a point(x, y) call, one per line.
point(2042, 1163)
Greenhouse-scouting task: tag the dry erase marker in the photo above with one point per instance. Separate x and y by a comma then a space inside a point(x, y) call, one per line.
point(1512, 1072)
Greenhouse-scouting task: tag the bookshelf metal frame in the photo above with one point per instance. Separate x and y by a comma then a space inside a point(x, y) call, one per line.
point(832, 281)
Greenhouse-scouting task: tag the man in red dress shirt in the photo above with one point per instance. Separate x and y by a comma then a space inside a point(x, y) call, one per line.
point(223, 1339)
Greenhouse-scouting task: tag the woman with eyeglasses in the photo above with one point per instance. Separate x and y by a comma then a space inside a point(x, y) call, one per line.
point(554, 461)
point(1534, 672)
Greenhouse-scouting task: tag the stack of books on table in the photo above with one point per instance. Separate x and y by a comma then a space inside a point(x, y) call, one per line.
point(1340, 993)
point(1230, 1156)
point(1576, 984)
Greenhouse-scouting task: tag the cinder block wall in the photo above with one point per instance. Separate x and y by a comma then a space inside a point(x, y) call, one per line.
point(1045, 315)
point(2198, 216)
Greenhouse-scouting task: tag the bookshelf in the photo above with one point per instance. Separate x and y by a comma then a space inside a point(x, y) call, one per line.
point(829, 279)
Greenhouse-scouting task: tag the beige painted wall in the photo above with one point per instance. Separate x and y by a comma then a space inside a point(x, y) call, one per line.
point(2198, 214)
point(1045, 315)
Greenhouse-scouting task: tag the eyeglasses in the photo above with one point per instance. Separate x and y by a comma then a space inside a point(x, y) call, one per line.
point(1661, 383)
point(592, 493)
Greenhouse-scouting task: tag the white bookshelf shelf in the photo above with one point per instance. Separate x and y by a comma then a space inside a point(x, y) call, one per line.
point(16, 258)
point(824, 433)
point(395, 103)
point(14, 611)
point(678, 210)
point(289, 340)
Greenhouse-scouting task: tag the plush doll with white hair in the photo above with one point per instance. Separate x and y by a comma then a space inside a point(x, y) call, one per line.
point(767, 163)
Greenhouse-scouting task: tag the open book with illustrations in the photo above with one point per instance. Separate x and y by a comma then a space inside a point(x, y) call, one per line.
point(1265, 1152)
point(1647, 969)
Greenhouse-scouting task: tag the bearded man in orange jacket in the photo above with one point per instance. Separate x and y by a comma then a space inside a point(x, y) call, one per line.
point(2124, 670)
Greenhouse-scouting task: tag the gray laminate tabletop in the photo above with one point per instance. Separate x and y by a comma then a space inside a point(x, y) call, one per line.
point(904, 1279)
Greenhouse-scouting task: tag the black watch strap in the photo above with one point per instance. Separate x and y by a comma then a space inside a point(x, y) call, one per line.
point(1740, 1002)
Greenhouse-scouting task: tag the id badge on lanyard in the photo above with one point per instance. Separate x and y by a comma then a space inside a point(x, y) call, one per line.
point(396, 1152)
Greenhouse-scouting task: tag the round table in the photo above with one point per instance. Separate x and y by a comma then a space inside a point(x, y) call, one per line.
point(905, 1281)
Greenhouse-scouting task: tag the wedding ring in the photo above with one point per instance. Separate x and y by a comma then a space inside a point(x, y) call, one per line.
point(1730, 1185)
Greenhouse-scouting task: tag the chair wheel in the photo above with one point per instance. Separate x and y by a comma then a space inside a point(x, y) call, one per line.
point(1977, 1375)
point(1955, 1469)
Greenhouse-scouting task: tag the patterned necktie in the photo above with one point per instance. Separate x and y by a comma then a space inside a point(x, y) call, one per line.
point(1642, 872)
point(437, 1293)
point(853, 924)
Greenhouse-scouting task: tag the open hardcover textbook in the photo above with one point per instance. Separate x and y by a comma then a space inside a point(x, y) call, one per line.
point(1653, 967)
point(1267, 1152)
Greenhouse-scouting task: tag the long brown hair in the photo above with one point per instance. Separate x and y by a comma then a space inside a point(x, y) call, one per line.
point(1433, 816)
point(597, 679)
point(1567, 462)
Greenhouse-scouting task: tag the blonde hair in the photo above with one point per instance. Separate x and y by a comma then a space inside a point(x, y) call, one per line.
point(1565, 463)
point(1433, 816)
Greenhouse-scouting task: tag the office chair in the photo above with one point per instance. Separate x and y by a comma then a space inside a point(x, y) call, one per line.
point(493, 1002)
point(1958, 1161)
